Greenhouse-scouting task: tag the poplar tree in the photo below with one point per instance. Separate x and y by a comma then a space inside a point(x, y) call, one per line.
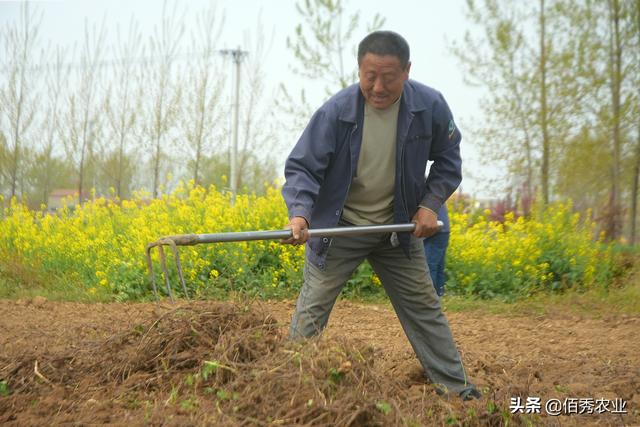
point(162, 93)
point(324, 47)
point(81, 123)
point(122, 105)
point(18, 92)
point(202, 104)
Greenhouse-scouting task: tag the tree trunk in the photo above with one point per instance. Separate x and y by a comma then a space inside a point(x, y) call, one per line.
point(156, 169)
point(634, 194)
point(81, 176)
point(17, 137)
point(615, 55)
point(120, 172)
point(16, 155)
point(636, 168)
point(543, 108)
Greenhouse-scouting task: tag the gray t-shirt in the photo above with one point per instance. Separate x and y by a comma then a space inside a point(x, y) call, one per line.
point(370, 198)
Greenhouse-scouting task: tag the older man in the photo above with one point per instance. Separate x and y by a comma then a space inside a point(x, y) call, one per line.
point(362, 160)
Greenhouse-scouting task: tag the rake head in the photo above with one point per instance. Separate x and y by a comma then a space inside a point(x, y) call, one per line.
point(172, 242)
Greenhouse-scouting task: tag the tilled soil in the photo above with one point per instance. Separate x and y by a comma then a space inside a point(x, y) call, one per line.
point(210, 363)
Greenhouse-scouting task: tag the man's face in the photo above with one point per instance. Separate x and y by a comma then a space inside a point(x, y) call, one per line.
point(382, 79)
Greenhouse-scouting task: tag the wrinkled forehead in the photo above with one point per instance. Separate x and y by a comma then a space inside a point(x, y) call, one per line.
point(380, 63)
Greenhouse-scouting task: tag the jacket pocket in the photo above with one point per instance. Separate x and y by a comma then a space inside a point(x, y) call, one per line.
point(423, 137)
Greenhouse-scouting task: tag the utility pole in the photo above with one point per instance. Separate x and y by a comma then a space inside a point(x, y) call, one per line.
point(237, 55)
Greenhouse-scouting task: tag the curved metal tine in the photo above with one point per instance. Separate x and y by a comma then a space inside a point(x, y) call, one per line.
point(176, 256)
point(163, 263)
point(150, 267)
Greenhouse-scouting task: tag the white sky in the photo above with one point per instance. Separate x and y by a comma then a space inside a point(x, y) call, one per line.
point(428, 25)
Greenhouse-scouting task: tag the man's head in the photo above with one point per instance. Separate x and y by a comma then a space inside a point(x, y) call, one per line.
point(383, 67)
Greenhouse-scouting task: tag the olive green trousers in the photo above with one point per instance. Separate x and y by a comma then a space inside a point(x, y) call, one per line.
point(408, 285)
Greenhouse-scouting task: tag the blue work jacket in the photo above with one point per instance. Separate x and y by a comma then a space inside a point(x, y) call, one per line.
point(322, 164)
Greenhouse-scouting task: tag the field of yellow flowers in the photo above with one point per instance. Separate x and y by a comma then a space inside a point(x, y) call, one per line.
point(99, 247)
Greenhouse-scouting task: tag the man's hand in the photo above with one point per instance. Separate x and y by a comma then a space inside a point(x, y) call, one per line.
point(299, 228)
point(426, 223)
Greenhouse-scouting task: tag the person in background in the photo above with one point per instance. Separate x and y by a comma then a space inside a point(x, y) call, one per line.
point(435, 249)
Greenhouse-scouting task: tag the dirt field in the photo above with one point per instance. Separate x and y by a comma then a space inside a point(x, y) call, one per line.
point(229, 364)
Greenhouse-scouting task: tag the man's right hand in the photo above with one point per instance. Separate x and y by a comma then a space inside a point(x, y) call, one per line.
point(299, 229)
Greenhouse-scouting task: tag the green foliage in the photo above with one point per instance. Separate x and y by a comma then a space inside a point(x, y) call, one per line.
point(255, 172)
point(223, 395)
point(44, 171)
point(4, 388)
point(189, 405)
point(560, 78)
point(208, 368)
point(383, 407)
point(323, 42)
point(115, 172)
point(97, 251)
point(324, 48)
point(554, 250)
point(364, 284)
point(335, 376)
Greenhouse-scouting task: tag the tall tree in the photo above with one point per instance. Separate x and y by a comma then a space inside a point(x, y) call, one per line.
point(635, 29)
point(258, 133)
point(525, 55)
point(615, 70)
point(323, 42)
point(163, 94)
point(611, 35)
point(544, 111)
point(122, 106)
point(4, 149)
point(17, 94)
point(324, 49)
point(204, 83)
point(46, 171)
point(502, 58)
point(82, 119)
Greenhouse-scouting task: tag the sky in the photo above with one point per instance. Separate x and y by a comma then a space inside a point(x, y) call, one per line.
point(429, 26)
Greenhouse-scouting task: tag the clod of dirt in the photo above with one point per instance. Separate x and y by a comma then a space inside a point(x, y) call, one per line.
point(38, 301)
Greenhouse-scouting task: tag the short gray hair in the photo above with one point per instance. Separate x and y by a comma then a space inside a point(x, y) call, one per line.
point(385, 43)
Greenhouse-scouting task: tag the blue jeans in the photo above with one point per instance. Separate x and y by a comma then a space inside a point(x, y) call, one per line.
point(435, 249)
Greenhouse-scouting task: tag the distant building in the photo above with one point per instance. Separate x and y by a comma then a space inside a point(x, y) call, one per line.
point(57, 196)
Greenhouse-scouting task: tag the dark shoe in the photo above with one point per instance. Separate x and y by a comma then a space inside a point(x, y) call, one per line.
point(470, 394)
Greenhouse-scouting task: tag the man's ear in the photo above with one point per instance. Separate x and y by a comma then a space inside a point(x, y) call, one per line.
point(407, 70)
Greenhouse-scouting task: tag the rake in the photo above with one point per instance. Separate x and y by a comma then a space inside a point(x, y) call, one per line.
point(194, 239)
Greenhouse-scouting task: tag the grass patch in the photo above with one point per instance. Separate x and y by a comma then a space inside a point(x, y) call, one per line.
point(621, 298)
point(595, 303)
point(55, 291)
point(18, 281)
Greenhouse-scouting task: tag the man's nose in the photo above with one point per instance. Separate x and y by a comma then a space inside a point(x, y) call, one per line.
point(378, 86)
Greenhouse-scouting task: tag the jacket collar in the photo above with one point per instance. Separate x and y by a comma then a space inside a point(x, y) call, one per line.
point(354, 108)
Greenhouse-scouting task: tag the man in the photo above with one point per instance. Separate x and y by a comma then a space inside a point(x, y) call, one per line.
point(435, 249)
point(362, 160)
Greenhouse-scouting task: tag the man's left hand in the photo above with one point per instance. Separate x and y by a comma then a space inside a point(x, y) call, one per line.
point(426, 223)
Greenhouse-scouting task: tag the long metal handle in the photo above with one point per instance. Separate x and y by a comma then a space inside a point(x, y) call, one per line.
point(242, 236)
point(194, 239)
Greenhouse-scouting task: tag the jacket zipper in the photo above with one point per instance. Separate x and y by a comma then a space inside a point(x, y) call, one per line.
point(402, 181)
point(355, 127)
